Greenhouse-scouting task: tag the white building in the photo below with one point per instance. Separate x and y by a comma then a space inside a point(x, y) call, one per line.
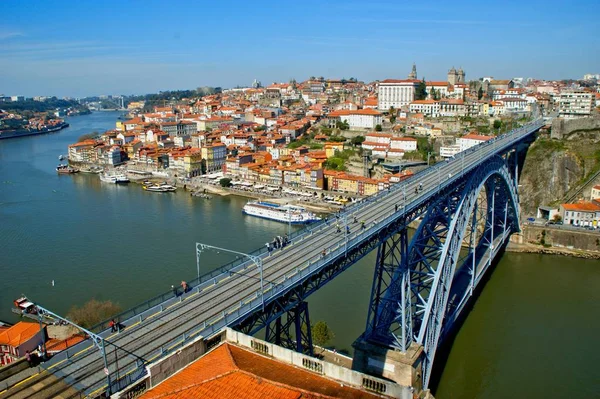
point(449, 151)
point(425, 107)
point(515, 105)
point(581, 214)
point(396, 93)
point(441, 88)
point(471, 140)
point(575, 104)
point(378, 138)
point(359, 119)
point(403, 143)
point(595, 192)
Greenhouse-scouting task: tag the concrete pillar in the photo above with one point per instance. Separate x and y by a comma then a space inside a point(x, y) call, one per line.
point(404, 368)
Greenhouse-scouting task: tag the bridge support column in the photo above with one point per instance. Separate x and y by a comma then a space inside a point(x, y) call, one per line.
point(292, 330)
point(404, 368)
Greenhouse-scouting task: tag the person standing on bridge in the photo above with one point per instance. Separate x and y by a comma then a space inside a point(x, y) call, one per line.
point(184, 286)
point(28, 357)
point(396, 208)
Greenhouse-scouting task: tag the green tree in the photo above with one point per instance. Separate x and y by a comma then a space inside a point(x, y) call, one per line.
point(480, 93)
point(321, 333)
point(225, 182)
point(358, 140)
point(93, 312)
point(378, 128)
point(497, 124)
point(334, 163)
point(342, 125)
point(421, 90)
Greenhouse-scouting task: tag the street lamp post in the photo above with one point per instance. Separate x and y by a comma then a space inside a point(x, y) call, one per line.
point(428, 156)
point(255, 259)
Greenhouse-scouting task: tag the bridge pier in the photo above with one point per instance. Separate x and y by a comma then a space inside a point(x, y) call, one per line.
point(291, 330)
point(404, 368)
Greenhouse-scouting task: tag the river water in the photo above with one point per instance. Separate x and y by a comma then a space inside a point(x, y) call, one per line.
point(533, 331)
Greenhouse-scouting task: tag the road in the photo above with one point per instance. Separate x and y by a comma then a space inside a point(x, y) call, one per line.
point(208, 305)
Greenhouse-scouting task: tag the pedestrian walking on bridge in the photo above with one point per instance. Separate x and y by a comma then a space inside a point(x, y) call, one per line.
point(184, 286)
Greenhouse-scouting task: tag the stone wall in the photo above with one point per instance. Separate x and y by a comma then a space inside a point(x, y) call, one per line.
point(563, 127)
point(555, 237)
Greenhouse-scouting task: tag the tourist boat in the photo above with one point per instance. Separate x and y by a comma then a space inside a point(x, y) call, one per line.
point(159, 188)
point(64, 169)
point(118, 178)
point(280, 213)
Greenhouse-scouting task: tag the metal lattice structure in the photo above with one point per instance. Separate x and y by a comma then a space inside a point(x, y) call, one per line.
point(292, 330)
point(419, 288)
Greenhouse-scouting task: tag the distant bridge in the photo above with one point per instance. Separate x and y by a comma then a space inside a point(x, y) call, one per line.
point(468, 207)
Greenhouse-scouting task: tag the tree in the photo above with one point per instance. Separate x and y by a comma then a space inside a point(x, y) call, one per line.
point(378, 128)
point(557, 218)
point(93, 312)
point(497, 124)
point(321, 333)
point(342, 125)
point(421, 90)
point(435, 94)
point(480, 93)
point(225, 182)
point(358, 140)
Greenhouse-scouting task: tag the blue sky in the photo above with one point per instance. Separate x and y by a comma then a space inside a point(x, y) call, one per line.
point(81, 48)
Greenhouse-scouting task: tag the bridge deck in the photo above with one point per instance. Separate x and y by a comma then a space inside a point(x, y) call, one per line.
point(230, 297)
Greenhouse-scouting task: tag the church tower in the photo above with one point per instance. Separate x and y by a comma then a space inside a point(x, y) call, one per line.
point(461, 76)
point(413, 73)
point(452, 76)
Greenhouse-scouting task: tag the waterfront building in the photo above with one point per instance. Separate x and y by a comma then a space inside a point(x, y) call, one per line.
point(342, 182)
point(214, 155)
point(18, 339)
point(584, 214)
point(84, 151)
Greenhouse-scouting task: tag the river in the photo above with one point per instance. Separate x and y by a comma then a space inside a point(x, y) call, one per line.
point(531, 333)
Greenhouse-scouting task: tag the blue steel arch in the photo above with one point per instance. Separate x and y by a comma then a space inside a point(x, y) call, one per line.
point(416, 302)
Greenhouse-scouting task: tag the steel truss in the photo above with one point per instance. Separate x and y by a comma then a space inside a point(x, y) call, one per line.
point(290, 299)
point(294, 332)
point(420, 288)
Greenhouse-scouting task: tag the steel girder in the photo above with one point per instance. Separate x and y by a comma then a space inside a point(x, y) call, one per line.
point(294, 332)
point(292, 297)
point(412, 284)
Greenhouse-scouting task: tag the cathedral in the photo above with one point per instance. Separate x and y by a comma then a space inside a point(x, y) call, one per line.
point(455, 76)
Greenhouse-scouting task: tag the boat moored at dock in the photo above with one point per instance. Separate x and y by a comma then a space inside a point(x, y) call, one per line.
point(64, 169)
point(116, 179)
point(280, 213)
point(159, 188)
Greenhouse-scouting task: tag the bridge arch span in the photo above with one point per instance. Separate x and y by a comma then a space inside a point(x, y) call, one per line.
point(447, 256)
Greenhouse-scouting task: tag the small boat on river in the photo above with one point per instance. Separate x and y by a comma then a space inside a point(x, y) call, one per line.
point(64, 169)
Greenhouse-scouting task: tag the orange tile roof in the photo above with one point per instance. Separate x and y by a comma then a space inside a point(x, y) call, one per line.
point(55, 345)
point(232, 372)
point(582, 207)
point(19, 333)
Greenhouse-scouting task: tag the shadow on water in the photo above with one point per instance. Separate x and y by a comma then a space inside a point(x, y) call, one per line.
point(442, 353)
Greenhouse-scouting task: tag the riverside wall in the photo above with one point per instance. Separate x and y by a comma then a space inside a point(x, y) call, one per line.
point(548, 240)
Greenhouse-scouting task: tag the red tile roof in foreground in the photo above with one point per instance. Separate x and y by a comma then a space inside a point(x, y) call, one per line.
point(19, 333)
point(231, 372)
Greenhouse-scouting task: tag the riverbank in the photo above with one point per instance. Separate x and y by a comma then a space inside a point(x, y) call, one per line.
point(540, 249)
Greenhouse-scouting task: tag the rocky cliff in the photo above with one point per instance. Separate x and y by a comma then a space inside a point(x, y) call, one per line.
point(555, 169)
